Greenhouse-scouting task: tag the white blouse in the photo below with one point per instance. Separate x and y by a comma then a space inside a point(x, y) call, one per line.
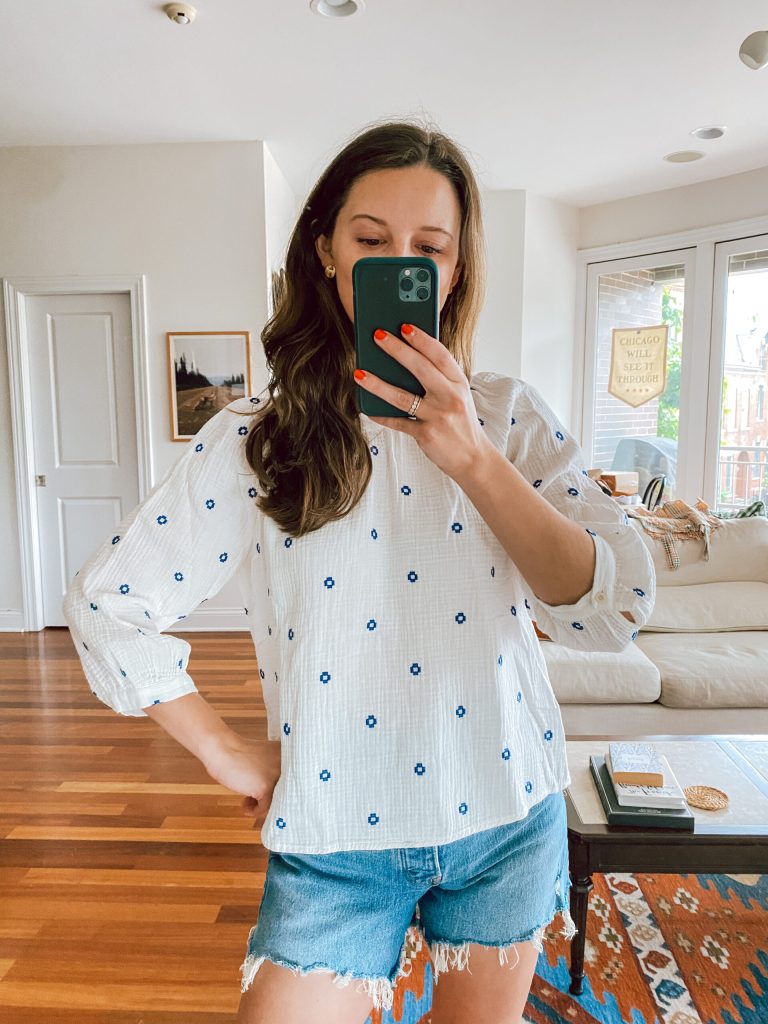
point(398, 660)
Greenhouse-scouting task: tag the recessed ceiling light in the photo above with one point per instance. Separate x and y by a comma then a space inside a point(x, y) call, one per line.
point(713, 132)
point(754, 50)
point(336, 8)
point(683, 156)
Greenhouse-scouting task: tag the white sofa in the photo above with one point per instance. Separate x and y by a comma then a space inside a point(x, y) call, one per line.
point(700, 663)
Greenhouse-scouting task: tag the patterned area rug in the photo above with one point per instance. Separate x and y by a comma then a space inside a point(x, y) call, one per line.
point(661, 949)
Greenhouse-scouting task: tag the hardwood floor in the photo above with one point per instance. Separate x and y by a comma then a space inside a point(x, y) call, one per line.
point(129, 879)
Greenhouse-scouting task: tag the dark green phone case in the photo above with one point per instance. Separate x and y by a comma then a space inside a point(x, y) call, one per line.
point(378, 302)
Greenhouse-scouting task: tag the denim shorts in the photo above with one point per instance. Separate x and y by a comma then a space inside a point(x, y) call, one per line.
point(348, 912)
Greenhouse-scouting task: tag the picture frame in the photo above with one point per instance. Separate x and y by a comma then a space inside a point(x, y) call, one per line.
point(206, 371)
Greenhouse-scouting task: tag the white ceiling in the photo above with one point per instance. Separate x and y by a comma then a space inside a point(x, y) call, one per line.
point(574, 99)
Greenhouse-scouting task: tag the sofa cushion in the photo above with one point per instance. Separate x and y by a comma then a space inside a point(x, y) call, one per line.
point(738, 550)
point(709, 607)
point(710, 670)
point(601, 677)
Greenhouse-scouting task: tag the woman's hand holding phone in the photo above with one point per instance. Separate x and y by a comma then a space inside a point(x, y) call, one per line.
point(446, 428)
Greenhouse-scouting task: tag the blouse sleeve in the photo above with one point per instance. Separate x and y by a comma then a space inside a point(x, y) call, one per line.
point(624, 578)
point(176, 549)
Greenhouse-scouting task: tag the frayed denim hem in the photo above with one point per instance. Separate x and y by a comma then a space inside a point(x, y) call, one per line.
point(457, 953)
point(380, 989)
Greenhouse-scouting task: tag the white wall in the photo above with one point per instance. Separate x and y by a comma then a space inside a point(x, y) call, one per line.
point(735, 197)
point(189, 216)
point(527, 326)
point(549, 301)
point(281, 208)
point(500, 329)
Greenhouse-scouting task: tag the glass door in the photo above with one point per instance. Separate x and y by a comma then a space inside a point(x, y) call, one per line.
point(736, 462)
point(638, 368)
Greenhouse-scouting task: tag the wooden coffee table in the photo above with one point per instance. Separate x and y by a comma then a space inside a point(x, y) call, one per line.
point(731, 841)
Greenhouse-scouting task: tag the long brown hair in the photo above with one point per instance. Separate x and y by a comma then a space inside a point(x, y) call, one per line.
point(307, 447)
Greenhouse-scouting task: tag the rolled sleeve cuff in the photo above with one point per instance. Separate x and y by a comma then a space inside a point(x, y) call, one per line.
point(132, 701)
point(601, 597)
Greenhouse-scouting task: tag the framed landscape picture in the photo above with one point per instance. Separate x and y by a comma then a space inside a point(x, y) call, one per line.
point(206, 371)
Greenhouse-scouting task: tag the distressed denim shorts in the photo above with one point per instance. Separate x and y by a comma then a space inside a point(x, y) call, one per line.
point(348, 912)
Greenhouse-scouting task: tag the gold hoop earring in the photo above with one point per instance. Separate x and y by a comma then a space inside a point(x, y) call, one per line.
point(330, 271)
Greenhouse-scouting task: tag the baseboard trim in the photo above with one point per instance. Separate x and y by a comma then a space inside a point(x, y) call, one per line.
point(11, 621)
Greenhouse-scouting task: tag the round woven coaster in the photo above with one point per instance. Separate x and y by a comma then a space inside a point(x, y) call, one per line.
point(706, 797)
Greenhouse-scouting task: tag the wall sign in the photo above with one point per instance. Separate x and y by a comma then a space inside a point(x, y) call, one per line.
point(638, 363)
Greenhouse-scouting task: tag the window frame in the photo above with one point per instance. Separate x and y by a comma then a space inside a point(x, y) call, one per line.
point(703, 252)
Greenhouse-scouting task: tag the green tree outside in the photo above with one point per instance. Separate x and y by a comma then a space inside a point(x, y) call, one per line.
point(669, 402)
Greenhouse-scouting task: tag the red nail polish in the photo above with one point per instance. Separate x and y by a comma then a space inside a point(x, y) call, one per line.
point(379, 335)
point(407, 329)
point(360, 374)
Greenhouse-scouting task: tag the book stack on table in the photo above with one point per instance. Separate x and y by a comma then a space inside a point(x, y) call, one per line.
point(637, 786)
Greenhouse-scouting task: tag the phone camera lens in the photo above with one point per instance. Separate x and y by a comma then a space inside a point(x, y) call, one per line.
point(406, 284)
point(422, 293)
point(422, 275)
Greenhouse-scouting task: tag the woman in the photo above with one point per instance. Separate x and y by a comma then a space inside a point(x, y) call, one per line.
point(395, 569)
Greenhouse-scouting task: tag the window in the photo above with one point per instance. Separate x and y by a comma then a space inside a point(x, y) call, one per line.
point(744, 376)
point(700, 426)
point(640, 437)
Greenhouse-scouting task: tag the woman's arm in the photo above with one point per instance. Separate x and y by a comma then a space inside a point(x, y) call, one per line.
point(193, 723)
point(248, 767)
point(591, 577)
point(176, 549)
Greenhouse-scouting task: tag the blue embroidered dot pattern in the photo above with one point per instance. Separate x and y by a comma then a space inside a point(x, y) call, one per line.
point(393, 645)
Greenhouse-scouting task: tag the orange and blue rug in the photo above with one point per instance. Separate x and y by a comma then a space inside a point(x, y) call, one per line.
point(661, 949)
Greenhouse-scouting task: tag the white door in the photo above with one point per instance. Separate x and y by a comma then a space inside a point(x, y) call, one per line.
point(86, 465)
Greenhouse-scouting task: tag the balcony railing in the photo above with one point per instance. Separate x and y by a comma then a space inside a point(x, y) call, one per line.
point(740, 480)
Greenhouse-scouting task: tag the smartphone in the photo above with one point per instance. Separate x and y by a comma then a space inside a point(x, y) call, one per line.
point(389, 291)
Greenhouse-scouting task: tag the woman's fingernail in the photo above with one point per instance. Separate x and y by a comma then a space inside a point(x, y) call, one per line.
point(407, 329)
point(379, 335)
point(360, 374)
